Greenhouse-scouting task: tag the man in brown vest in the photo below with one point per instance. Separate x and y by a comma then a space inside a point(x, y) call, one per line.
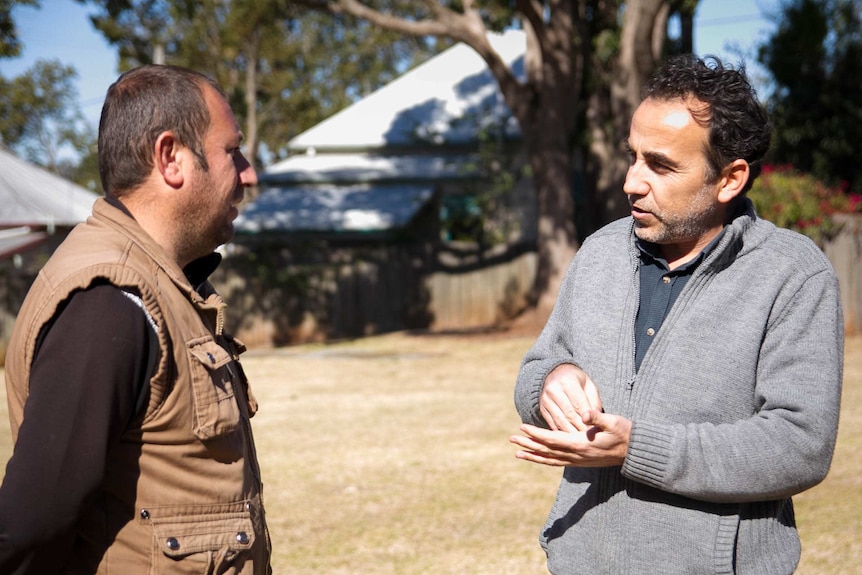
point(129, 408)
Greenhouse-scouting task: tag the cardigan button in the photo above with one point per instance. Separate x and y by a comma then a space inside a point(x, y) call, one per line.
point(145, 514)
point(172, 543)
point(242, 538)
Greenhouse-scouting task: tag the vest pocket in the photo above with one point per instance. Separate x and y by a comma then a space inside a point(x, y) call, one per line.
point(201, 544)
point(216, 412)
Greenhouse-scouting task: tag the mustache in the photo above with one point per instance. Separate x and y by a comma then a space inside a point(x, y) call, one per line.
point(640, 206)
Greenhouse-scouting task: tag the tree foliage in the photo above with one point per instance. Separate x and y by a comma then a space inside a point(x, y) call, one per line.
point(10, 45)
point(281, 68)
point(40, 117)
point(39, 114)
point(815, 59)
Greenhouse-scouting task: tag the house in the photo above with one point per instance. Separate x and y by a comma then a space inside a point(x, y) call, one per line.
point(375, 163)
point(37, 210)
point(375, 219)
point(34, 204)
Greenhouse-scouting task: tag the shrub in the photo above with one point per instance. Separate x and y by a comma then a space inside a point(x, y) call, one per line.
point(800, 202)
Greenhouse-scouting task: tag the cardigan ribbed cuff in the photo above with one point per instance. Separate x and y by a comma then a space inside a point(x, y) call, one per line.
point(648, 453)
point(539, 372)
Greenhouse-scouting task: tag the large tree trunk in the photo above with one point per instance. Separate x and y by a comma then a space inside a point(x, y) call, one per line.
point(556, 241)
point(609, 114)
point(554, 65)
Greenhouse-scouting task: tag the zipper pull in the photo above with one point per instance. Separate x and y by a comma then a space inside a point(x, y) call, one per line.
point(631, 382)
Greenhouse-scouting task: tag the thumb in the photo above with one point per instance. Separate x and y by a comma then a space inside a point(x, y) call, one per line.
point(596, 418)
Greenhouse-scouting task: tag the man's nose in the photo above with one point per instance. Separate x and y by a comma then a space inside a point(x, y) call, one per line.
point(247, 173)
point(634, 183)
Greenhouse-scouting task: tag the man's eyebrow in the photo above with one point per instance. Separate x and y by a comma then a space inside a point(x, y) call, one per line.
point(659, 158)
point(652, 157)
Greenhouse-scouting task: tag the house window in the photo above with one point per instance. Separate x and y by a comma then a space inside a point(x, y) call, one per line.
point(461, 218)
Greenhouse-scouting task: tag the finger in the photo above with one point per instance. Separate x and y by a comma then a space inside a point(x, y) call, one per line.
point(562, 410)
point(599, 420)
point(592, 393)
point(546, 441)
point(534, 448)
point(577, 402)
point(538, 458)
point(558, 420)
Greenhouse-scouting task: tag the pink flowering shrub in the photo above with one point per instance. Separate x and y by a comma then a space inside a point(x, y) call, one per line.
point(798, 201)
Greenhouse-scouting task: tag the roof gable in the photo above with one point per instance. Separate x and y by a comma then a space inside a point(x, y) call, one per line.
point(441, 101)
point(30, 195)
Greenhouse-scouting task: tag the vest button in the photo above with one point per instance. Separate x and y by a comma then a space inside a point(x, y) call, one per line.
point(172, 543)
point(145, 514)
point(242, 537)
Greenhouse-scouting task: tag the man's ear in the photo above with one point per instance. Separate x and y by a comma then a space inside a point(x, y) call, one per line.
point(169, 157)
point(733, 180)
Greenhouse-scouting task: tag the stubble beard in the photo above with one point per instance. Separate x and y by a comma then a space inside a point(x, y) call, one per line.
point(203, 232)
point(676, 228)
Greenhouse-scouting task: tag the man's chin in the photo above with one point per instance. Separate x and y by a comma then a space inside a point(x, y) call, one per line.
point(649, 234)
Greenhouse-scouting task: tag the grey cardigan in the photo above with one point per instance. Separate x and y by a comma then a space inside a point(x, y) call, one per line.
point(734, 409)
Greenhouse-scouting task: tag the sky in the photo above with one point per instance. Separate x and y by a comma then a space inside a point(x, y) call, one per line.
point(61, 30)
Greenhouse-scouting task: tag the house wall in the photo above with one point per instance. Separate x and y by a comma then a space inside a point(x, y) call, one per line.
point(16, 276)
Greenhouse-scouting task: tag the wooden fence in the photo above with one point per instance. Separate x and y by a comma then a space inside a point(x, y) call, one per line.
point(845, 253)
point(325, 292)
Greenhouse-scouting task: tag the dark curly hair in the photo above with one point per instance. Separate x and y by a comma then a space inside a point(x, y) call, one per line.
point(721, 99)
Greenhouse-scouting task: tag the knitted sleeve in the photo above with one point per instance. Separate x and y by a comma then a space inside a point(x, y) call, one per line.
point(784, 447)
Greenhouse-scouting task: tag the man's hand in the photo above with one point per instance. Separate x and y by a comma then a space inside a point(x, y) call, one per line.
point(567, 395)
point(603, 444)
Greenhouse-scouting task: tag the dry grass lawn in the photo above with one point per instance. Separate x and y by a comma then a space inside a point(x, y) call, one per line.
point(389, 455)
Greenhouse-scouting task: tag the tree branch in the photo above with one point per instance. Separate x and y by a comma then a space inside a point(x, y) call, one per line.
point(467, 28)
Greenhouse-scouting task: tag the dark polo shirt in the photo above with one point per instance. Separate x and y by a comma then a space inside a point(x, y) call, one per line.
point(659, 288)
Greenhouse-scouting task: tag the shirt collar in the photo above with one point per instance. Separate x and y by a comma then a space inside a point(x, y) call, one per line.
point(199, 270)
point(650, 251)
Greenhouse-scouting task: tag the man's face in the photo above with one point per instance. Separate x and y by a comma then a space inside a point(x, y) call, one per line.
point(671, 202)
point(215, 193)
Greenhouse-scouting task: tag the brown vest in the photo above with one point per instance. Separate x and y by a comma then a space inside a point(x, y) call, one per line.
point(182, 489)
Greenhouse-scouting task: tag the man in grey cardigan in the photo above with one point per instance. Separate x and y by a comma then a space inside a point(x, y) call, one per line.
point(689, 377)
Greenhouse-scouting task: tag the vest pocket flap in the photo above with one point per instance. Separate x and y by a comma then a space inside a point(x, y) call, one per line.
point(180, 537)
point(210, 354)
point(213, 377)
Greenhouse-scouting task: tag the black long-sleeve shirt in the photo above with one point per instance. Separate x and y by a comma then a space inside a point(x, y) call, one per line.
point(88, 381)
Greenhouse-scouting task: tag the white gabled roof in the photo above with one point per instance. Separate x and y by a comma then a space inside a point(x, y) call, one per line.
point(439, 101)
point(361, 167)
point(33, 196)
point(334, 208)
